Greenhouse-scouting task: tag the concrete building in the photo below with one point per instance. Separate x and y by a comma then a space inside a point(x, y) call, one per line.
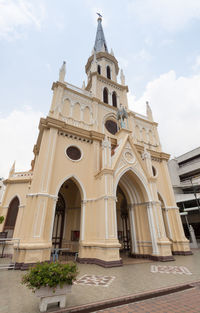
point(99, 182)
point(185, 176)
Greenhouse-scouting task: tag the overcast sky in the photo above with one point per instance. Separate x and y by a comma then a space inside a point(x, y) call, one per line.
point(155, 41)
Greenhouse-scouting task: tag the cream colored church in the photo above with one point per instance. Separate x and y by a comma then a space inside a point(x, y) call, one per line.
point(99, 183)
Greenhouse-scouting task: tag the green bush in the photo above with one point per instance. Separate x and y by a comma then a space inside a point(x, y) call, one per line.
point(50, 274)
point(1, 219)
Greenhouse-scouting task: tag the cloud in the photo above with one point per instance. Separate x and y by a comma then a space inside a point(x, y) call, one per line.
point(175, 105)
point(16, 14)
point(18, 135)
point(171, 15)
point(196, 65)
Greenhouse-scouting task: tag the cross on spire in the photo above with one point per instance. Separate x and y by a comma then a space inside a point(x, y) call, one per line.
point(100, 41)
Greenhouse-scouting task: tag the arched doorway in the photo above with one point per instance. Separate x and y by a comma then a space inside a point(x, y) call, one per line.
point(133, 216)
point(11, 217)
point(66, 229)
point(123, 222)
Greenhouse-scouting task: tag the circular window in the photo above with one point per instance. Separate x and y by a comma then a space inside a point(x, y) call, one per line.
point(73, 153)
point(111, 126)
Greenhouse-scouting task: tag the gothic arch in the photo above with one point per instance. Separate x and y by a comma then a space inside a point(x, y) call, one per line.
point(77, 181)
point(66, 107)
point(108, 72)
point(77, 111)
point(114, 99)
point(99, 69)
point(12, 213)
point(139, 179)
point(86, 114)
point(105, 95)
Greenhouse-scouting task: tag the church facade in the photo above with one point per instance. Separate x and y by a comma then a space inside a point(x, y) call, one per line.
point(99, 182)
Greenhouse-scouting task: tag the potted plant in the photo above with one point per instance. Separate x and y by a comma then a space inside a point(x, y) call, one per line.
point(51, 282)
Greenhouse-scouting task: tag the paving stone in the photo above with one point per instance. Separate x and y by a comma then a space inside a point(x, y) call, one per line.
point(129, 279)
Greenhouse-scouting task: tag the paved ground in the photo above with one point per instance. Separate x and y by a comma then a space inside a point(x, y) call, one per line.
point(96, 284)
point(179, 302)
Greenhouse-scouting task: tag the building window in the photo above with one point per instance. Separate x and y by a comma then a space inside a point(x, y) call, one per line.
point(108, 72)
point(73, 153)
point(114, 99)
point(75, 235)
point(111, 126)
point(99, 69)
point(12, 214)
point(105, 95)
point(154, 171)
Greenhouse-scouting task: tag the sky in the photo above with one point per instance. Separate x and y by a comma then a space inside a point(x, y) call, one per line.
point(156, 43)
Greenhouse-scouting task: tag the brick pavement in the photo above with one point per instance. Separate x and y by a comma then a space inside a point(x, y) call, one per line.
point(178, 302)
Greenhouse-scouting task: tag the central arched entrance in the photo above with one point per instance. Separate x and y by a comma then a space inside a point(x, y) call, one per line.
point(123, 222)
point(66, 228)
point(133, 219)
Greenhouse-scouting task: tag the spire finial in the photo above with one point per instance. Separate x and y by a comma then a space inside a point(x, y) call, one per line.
point(100, 42)
point(122, 77)
point(62, 72)
point(12, 170)
point(148, 111)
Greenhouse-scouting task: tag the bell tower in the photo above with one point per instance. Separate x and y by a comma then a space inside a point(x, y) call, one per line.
point(102, 72)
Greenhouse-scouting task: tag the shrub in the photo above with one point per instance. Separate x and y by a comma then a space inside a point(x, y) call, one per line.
point(1, 219)
point(50, 274)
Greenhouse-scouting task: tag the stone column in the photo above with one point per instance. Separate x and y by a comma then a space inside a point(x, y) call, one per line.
point(152, 229)
point(133, 229)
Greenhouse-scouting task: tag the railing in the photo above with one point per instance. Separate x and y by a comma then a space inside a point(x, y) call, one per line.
point(22, 174)
point(5, 253)
point(141, 116)
point(189, 163)
point(82, 91)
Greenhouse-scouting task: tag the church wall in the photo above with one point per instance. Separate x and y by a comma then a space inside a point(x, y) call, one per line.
point(12, 190)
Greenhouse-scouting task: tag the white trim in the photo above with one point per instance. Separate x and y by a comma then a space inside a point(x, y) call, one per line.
point(139, 176)
point(11, 199)
point(55, 132)
point(134, 246)
point(46, 159)
point(106, 217)
point(42, 194)
point(82, 220)
point(157, 222)
point(168, 224)
point(171, 208)
point(82, 191)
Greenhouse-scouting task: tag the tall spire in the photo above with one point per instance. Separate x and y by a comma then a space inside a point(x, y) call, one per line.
point(100, 42)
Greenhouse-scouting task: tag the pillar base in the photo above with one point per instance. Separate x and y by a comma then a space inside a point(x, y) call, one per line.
point(100, 262)
point(182, 252)
point(159, 258)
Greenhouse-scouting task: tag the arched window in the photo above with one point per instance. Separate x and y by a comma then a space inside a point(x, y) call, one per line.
point(99, 69)
point(12, 214)
point(114, 99)
point(108, 72)
point(105, 95)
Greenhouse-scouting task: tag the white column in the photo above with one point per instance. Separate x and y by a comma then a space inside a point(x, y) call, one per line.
point(168, 224)
point(83, 203)
point(152, 228)
point(133, 229)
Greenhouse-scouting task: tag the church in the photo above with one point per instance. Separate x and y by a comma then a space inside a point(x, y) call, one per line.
point(99, 182)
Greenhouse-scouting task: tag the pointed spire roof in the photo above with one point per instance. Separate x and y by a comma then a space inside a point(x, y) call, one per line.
point(100, 42)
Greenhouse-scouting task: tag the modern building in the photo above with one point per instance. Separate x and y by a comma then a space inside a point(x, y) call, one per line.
point(185, 176)
point(99, 182)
